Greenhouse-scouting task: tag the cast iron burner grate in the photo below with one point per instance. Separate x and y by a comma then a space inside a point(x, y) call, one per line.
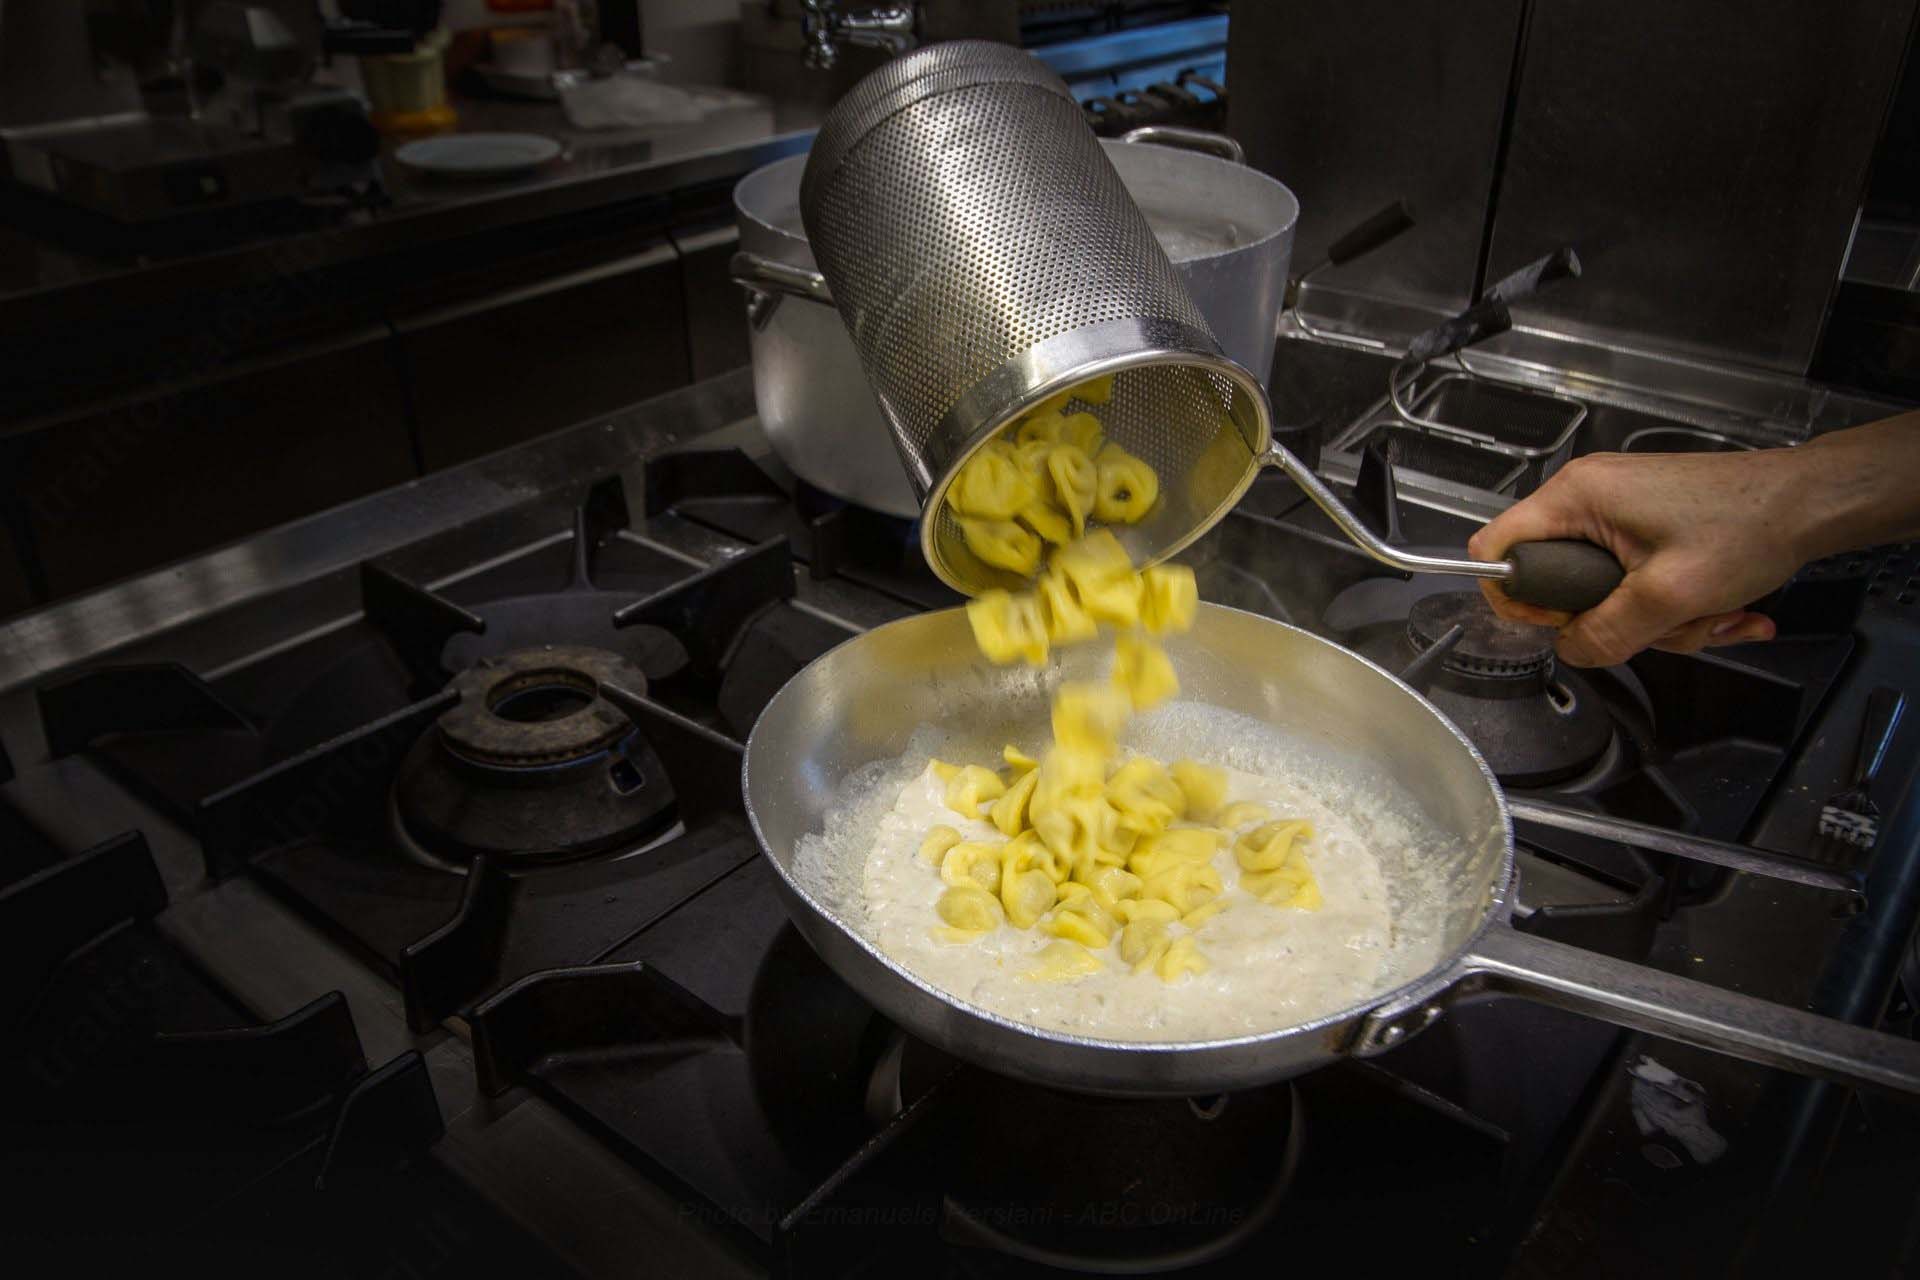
point(725, 490)
point(474, 784)
point(719, 1053)
point(151, 1116)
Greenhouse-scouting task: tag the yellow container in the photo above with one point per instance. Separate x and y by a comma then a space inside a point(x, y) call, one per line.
point(408, 91)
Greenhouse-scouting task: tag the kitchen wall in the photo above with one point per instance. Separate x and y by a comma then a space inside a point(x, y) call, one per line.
point(1357, 103)
point(701, 36)
point(1706, 158)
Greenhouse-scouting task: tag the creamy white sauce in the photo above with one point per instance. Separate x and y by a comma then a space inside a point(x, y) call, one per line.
point(1271, 967)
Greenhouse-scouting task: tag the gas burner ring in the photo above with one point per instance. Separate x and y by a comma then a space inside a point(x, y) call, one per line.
point(539, 706)
point(1489, 646)
point(532, 766)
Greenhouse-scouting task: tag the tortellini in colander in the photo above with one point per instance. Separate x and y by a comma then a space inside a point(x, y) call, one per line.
point(1044, 478)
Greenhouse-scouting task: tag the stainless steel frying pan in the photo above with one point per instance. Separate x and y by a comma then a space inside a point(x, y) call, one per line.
point(859, 704)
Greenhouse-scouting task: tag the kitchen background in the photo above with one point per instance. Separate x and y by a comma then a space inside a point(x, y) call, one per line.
point(308, 452)
point(329, 322)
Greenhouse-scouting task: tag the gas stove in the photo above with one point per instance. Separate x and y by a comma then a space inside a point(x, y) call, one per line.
point(382, 885)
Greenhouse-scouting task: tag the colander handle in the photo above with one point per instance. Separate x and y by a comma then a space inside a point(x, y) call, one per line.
point(1561, 574)
point(1564, 573)
point(1184, 139)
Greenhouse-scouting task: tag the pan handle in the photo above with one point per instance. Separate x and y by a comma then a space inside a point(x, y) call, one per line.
point(1720, 853)
point(1664, 1004)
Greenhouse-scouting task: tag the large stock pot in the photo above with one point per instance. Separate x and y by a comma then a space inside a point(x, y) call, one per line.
point(1228, 228)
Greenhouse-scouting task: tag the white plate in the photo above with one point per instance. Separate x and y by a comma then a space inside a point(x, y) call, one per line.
point(479, 155)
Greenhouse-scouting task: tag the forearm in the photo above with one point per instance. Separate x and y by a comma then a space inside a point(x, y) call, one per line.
point(1862, 487)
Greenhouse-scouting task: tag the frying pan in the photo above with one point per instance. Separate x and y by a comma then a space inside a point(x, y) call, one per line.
point(861, 703)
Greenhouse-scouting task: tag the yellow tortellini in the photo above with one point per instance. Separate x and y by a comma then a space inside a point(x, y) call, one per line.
point(992, 485)
point(1075, 481)
point(1064, 960)
point(1134, 910)
point(1242, 813)
point(1200, 915)
point(1108, 886)
point(1004, 544)
point(1100, 852)
point(1084, 831)
point(1168, 598)
point(1026, 895)
point(1144, 671)
point(1274, 867)
point(973, 786)
point(1085, 924)
point(1127, 487)
point(1186, 887)
point(972, 863)
point(1089, 582)
point(1102, 578)
point(1146, 799)
point(1087, 716)
point(969, 911)
point(1048, 523)
point(1042, 480)
point(1269, 846)
point(1180, 958)
point(1008, 627)
point(1009, 812)
point(1186, 846)
point(938, 841)
point(1098, 391)
point(1049, 425)
point(1066, 619)
point(1204, 786)
point(1143, 942)
point(1027, 851)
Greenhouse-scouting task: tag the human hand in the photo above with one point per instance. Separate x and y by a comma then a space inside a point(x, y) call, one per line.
point(1700, 536)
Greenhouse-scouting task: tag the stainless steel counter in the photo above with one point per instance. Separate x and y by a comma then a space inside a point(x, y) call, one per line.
point(43, 283)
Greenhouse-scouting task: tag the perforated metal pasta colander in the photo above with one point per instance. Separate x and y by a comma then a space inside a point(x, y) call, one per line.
point(985, 257)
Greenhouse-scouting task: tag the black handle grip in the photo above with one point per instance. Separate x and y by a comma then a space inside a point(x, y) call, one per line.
point(1477, 323)
point(1562, 574)
point(1561, 264)
point(1884, 708)
point(1371, 234)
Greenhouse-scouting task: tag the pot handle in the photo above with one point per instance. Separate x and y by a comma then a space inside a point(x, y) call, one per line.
point(1181, 138)
point(764, 275)
point(1664, 1004)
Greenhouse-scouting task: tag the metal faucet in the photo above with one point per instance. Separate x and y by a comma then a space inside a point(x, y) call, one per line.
point(825, 28)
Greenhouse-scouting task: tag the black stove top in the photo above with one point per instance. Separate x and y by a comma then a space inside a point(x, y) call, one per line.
point(501, 779)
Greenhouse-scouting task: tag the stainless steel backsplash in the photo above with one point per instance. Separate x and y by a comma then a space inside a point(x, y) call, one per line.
point(1706, 157)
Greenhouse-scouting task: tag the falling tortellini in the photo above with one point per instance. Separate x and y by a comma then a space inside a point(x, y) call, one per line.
point(1111, 856)
point(1089, 583)
point(1042, 480)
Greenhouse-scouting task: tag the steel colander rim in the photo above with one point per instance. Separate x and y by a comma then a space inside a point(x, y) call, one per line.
point(1255, 426)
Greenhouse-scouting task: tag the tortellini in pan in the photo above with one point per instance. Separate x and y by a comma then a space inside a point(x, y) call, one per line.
point(1105, 852)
